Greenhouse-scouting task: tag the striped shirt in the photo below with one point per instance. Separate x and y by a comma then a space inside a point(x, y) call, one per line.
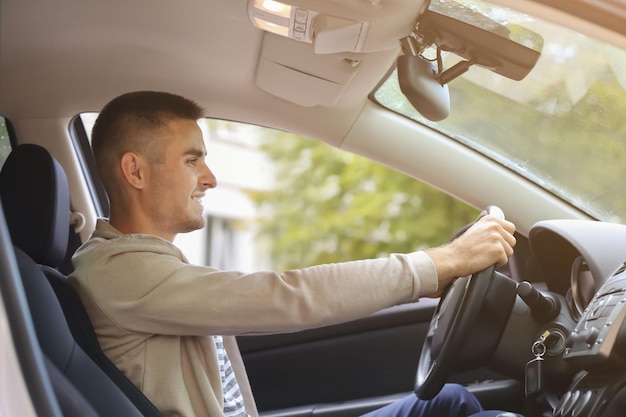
point(233, 400)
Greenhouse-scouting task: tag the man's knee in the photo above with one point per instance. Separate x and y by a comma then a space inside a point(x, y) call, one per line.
point(466, 403)
point(458, 394)
point(455, 390)
point(460, 401)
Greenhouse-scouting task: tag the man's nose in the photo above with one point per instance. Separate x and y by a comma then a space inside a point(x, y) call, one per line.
point(207, 179)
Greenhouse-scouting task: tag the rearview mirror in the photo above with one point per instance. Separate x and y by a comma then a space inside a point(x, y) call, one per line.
point(509, 50)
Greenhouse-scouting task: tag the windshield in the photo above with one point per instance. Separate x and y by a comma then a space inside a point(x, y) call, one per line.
point(562, 126)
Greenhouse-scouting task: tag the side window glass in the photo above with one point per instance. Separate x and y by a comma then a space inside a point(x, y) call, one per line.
point(5, 140)
point(284, 201)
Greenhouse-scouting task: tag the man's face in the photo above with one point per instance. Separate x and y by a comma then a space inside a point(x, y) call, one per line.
point(178, 181)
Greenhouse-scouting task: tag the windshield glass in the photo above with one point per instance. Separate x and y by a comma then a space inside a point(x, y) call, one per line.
point(562, 126)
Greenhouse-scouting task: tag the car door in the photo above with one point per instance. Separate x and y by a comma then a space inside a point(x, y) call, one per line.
point(351, 368)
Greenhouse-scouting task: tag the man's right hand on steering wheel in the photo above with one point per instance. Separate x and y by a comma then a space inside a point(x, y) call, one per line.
point(489, 241)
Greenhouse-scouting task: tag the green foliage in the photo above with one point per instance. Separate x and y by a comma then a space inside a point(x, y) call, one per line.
point(332, 206)
point(575, 149)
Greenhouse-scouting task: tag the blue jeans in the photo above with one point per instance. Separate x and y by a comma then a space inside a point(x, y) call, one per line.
point(494, 413)
point(453, 401)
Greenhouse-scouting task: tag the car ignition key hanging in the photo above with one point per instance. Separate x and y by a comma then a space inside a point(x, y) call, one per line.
point(533, 375)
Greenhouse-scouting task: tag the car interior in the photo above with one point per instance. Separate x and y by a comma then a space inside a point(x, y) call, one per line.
point(511, 108)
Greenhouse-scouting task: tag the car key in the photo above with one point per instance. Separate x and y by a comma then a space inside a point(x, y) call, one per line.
point(533, 374)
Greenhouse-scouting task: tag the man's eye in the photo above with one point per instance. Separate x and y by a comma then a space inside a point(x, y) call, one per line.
point(193, 161)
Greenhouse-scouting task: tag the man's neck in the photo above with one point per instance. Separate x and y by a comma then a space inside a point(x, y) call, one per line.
point(137, 225)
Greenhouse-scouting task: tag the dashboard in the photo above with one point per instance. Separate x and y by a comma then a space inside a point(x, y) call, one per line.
point(584, 266)
point(577, 257)
point(598, 333)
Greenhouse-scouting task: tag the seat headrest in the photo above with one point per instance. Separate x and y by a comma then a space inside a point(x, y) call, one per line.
point(36, 202)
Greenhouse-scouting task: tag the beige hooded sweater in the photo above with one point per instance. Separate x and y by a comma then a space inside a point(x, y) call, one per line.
point(154, 313)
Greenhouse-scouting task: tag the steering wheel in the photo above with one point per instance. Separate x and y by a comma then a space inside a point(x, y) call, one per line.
point(452, 325)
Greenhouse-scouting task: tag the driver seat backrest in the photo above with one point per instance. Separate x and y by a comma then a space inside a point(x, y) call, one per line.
point(35, 198)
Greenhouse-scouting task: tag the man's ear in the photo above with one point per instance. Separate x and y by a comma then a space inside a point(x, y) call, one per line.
point(134, 169)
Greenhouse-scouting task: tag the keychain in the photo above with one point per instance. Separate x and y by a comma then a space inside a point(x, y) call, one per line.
point(534, 376)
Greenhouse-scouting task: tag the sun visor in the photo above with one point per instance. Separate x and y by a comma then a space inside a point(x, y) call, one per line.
point(285, 70)
point(312, 50)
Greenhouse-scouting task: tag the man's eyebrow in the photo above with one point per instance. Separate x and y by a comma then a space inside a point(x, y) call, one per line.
point(200, 153)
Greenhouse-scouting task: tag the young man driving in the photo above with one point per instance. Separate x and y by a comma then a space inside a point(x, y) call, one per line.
point(170, 325)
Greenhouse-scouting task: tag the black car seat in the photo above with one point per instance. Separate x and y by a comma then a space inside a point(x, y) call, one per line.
point(35, 198)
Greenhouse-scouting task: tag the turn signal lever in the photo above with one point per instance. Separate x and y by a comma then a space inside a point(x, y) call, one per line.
point(542, 307)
